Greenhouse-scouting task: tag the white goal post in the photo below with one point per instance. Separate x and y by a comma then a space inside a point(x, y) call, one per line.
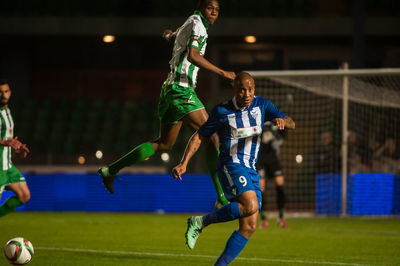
point(366, 96)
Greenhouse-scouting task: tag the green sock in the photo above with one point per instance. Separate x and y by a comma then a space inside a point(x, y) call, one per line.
point(211, 162)
point(263, 215)
point(281, 211)
point(137, 155)
point(10, 205)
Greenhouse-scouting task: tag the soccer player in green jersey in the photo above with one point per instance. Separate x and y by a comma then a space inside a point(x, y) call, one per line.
point(10, 177)
point(178, 103)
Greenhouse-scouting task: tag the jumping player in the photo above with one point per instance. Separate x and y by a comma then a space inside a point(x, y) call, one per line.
point(239, 124)
point(10, 177)
point(178, 103)
point(269, 167)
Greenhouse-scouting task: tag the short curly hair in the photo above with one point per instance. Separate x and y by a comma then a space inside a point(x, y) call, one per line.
point(201, 2)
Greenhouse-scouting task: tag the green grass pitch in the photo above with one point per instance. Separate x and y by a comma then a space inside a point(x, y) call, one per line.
point(150, 239)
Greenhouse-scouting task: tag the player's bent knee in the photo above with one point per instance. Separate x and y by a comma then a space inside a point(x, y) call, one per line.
point(248, 228)
point(25, 197)
point(252, 227)
point(250, 209)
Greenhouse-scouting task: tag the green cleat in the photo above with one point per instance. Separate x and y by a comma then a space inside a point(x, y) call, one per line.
point(108, 179)
point(195, 225)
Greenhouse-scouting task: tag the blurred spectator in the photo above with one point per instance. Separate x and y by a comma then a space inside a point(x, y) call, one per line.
point(354, 152)
point(327, 154)
point(387, 158)
point(372, 149)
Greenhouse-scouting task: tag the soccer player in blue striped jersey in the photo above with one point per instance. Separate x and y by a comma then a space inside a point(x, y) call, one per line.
point(10, 177)
point(178, 104)
point(239, 124)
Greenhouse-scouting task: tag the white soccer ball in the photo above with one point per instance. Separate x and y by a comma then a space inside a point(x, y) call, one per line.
point(19, 251)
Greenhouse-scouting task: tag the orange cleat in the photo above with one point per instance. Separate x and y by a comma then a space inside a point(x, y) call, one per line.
point(264, 224)
point(282, 223)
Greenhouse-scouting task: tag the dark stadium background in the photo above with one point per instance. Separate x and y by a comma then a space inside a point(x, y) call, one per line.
point(73, 94)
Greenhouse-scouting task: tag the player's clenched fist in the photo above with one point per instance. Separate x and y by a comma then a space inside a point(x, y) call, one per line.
point(178, 170)
point(280, 123)
point(229, 75)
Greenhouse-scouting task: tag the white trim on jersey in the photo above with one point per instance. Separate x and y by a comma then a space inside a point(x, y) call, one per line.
point(184, 80)
point(194, 77)
point(234, 141)
point(248, 140)
point(4, 156)
point(11, 135)
point(228, 176)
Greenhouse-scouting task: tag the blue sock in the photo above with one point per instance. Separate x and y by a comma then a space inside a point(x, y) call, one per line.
point(227, 213)
point(234, 246)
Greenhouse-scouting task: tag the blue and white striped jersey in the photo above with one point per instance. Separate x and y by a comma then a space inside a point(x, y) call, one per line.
point(239, 130)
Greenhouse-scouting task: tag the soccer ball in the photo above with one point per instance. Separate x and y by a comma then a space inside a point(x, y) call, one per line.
point(18, 251)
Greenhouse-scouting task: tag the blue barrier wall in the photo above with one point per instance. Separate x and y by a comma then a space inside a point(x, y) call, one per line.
point(134, 193)
point(367, 194)
point(328, 194)
point(396, 195)
point(372, 194)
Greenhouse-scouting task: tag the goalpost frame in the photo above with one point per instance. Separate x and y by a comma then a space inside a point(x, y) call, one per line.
point(345, 72)
point(329, 72)
point(345, 129)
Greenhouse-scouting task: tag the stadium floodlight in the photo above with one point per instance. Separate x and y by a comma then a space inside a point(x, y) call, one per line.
point(250, 39)
point(108, 38)
point(81, 159)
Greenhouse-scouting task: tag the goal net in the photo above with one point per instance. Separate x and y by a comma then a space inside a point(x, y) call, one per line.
point(346, 121)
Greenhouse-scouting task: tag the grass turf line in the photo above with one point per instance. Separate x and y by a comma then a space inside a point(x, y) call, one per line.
point(136, 239)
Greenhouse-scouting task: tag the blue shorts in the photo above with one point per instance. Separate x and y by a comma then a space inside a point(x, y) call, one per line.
point(236, 179)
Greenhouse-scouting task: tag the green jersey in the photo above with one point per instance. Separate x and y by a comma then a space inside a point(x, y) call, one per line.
point(193, 33)
point(6, 132)
point(9, 174)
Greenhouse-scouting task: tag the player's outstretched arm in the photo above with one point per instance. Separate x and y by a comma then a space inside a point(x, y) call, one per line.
point(169, 35)
point(191, 149)
point(196, 58)
point(287, 122)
